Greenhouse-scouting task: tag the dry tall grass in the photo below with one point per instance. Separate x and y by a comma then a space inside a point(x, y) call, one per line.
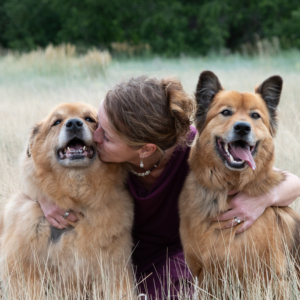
point(63, 60)
point(77, 287)
point(130, 50)
point(32, 84)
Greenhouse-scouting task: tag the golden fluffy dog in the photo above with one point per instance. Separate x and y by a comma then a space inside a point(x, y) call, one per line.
point(92, 257)
point(234, 150)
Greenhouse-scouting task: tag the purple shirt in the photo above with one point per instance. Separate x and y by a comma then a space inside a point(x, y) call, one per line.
point(156, 216)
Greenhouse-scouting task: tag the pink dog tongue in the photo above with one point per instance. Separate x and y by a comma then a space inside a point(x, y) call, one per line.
point(244, 154)
point(76, 146)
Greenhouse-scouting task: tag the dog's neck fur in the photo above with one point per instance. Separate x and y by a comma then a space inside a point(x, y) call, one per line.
point(216, 180)
point(73, 188)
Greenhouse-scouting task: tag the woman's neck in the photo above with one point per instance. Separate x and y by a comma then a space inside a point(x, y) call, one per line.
point(149, 180)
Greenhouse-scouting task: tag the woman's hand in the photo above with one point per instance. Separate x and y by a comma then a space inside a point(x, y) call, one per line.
point(247, 209)
point(54, 214)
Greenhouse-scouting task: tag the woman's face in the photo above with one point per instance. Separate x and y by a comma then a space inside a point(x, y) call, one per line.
point(110, 147)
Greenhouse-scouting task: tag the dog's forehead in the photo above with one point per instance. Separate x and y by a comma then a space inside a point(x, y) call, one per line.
point(234, 99)
point(253, 101)
point(229, 98)
point(72, 110)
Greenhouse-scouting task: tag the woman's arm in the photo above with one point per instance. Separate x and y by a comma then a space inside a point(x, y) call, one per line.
point(286, 193)
point(248, 209)
point(54, 214)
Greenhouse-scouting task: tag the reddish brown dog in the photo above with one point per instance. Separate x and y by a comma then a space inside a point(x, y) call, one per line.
point(234, 150)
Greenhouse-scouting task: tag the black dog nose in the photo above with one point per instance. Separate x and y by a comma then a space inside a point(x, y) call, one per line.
point(242, 128)
point(74, 124)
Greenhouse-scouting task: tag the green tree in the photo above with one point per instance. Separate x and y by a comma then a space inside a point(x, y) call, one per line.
point(171, 27)
point(30, 23)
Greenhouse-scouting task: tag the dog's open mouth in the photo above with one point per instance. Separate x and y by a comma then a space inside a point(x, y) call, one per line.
point(237, 154)
point(76, 149)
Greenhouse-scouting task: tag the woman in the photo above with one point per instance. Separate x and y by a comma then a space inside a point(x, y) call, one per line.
point(146, 123)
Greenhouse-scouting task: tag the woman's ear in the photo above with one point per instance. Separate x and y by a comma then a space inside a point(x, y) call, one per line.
point(147, 150)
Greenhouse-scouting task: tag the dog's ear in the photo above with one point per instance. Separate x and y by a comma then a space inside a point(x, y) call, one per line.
point(270, 91)
point(33, 134)
point(208, 86)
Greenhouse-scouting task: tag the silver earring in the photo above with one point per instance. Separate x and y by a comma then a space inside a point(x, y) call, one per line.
point(141, 164)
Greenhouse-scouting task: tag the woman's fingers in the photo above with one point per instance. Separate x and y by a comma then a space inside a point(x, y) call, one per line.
point(62, 221)
point(54, 223)
point(244, 208)
point(228, 215)
point(59, 215)
point(245, 226)
point(235, 221)
point(232, 192)
point(57, 211)
point(72, 217)
point(55, 215)
point(59, 221)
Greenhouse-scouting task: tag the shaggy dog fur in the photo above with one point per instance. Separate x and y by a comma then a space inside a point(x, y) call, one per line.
point(62, 163)
point(230, 123)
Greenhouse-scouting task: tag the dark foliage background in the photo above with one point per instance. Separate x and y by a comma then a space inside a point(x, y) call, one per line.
point(170, 27)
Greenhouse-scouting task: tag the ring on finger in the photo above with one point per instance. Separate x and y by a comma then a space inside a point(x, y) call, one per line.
point(65, 216)
point(237, 220)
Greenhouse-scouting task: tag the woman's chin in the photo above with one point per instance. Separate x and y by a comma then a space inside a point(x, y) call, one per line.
point(104, 158)
point(101, 156)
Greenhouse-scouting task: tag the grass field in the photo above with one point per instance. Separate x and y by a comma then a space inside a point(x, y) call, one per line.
point(32, 84)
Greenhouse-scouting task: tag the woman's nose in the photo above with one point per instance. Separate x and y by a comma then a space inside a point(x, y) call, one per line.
point(98, 135)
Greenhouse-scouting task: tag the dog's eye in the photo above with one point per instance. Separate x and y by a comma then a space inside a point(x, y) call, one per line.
point(255, 116)
point(56, 122)
point(226, 112)
point(90, 120)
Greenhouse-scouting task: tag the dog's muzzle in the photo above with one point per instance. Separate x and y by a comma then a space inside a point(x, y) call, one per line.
point(75, 144)
point(239, 147)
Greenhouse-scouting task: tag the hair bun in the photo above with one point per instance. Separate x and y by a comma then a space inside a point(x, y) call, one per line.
point(180, 105)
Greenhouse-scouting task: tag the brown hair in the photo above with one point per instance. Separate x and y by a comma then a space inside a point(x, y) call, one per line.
point(148, 110)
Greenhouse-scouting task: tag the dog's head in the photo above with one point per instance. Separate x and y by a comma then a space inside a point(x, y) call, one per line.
point(62, 161)
point(237, 127)
point(65, 137)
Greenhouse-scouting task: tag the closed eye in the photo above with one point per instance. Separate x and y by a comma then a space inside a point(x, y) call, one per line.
point(56, 123)
point(105, 137)
point(90, 120)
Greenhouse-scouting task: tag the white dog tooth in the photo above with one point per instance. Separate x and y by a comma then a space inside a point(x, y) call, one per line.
point(84, 148)
point(239, 162)
point(226, 149)
point(69, 149)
